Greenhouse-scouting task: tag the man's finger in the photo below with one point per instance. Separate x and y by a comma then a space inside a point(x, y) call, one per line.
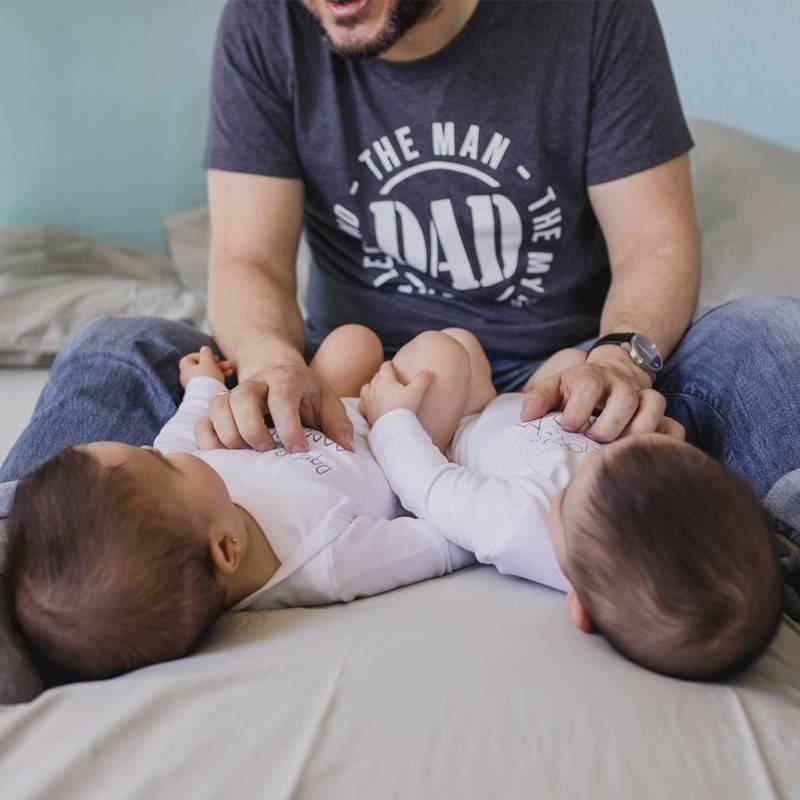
point(541, 398)
point(247, 403)
point(284, 408)
point(652, 405)
point(672, 428)
point(587, 392)
point(205, 435)
point(219, 409)
point(336, 424)
point(619, 409)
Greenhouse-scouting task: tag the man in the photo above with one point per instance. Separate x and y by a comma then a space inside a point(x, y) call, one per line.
point(519, 169)
point(425, 207)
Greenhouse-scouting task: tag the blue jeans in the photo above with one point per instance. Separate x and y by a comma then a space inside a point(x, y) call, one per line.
point(733, 382)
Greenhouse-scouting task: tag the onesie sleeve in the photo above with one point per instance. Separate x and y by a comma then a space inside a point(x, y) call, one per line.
point(377, 555)
point(177, 436)
point(502, 522)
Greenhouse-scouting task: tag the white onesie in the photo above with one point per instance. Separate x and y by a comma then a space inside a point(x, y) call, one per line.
point(330, 516)
point(495, 500)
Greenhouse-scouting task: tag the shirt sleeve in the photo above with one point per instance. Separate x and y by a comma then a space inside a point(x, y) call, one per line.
point(502, 522)
point(636, 120)
point(177, 436)
point(377, 555)
point(250, 125)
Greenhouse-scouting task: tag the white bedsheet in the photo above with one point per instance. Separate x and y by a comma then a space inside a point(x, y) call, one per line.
point(470, 686)
point(19, 390)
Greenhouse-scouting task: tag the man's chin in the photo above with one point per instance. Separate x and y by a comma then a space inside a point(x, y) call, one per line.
point(366, 28)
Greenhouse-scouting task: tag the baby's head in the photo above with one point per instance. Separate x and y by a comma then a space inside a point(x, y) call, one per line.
point(670, 557)
point(113, 557)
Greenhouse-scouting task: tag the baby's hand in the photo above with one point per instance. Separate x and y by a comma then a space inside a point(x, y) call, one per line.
point(385, 393)
point(204, 364)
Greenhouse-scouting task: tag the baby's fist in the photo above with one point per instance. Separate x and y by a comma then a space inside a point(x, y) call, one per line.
point(386, 393)
point(204, 364)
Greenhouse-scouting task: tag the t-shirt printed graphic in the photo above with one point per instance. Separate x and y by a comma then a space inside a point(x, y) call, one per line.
point(475, 240)
point(452, 190)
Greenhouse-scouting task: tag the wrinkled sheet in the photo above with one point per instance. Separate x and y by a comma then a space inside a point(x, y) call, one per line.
point(470, 686)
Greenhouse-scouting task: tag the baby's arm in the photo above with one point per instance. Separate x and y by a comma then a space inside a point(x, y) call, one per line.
point(439, 375)
point(377, 555)
point(203, 377)
point(501, 522)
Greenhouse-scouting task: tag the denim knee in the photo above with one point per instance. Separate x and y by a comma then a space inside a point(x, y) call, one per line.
point(114, 334)
point(758, 318)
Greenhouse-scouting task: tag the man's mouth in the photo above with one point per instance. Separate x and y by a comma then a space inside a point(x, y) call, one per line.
point(341, 9)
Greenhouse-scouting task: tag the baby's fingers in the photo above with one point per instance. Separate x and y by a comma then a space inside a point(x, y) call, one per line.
point(207, 356)
point(386, 374)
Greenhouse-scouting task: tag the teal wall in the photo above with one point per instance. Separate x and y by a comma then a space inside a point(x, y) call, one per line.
point(738, 62)
point(103, 112)
point(103, 102)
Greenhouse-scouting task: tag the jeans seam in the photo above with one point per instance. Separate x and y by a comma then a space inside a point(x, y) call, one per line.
point(702, 398)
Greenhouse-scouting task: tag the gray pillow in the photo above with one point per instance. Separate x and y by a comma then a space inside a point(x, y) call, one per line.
point(747, 193)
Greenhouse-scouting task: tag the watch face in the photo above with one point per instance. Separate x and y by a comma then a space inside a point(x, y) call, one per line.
point(647, 351)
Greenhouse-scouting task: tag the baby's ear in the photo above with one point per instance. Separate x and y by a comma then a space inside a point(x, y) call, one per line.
point(225, 552)
point(579, 614)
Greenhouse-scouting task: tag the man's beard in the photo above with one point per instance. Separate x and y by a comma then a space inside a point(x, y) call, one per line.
point(403, 15)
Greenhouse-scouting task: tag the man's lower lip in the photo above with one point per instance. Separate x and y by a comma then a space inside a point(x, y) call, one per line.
point(346, 10)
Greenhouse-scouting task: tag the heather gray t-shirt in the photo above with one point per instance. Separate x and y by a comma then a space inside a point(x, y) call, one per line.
point(451, 190)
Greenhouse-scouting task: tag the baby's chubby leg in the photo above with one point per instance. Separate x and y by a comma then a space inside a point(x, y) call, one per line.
point(347, 358)
point(481, 389)
point(460, 385)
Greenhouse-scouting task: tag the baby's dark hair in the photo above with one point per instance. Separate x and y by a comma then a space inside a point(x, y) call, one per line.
point(675, 562)
point(102, 575)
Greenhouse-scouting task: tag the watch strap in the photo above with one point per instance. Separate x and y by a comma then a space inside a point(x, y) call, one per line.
point(622, 339)
point(612, 338)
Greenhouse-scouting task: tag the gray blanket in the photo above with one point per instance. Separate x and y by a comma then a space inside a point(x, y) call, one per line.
point(54, 281)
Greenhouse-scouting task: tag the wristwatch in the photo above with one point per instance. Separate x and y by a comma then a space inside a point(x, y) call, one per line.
point(643, 351)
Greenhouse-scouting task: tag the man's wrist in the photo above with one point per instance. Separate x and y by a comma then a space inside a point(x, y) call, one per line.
point(268, 353)
point(617, 355)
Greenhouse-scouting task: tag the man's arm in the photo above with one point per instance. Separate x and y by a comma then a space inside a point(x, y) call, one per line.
point(256, 223)
point(650, 227)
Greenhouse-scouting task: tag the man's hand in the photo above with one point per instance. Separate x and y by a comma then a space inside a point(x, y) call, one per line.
point(292, 395)
point(609, 381)
point(204, 364)
point(386, 393)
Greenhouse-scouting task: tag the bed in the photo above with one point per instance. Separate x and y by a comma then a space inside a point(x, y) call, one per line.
point(469, 686)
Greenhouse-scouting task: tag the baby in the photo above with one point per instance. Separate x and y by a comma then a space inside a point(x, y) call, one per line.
point(660, 548)
point(123, 556)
